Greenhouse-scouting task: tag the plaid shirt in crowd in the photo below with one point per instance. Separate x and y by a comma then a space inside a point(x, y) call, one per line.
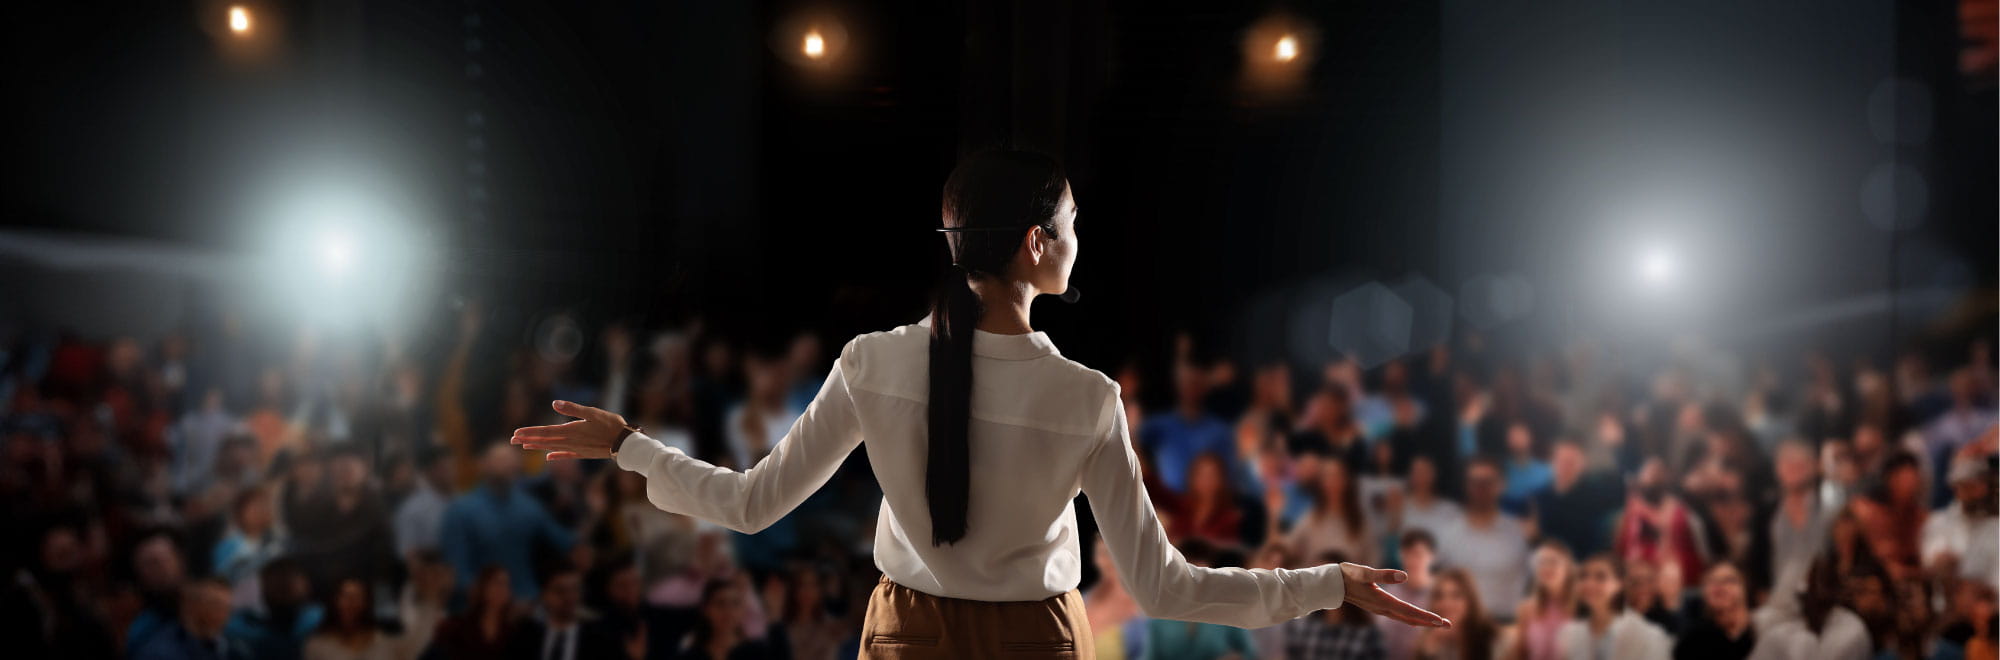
point(1315, 637)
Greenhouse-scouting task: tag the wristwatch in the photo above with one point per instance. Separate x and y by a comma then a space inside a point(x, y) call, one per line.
point(622, 435)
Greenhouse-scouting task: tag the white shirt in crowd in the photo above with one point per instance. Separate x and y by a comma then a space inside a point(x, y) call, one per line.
point(1783, 635)
point(1975, 540)
point(746, 448)
point(419, 519)
point(1442, 514)
point(1629, 637)
point(1043, 429)
point(559, 642)
point(1496, 556)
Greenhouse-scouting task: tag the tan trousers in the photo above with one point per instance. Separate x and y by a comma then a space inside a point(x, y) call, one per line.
point(905, 623)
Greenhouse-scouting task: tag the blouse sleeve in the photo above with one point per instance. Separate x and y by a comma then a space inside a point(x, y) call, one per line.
point(750, 501)
point(1159, 577)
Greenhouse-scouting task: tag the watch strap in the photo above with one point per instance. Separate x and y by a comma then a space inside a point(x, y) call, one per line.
point(622, 435)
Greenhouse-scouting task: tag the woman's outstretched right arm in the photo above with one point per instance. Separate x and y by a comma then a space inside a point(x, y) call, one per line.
point(1168, 587)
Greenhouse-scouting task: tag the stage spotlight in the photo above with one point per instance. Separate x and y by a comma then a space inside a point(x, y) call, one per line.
point(339, 243)
point(336, 254)
point(815, 40)
point(239, 20)
point(1278, 54)
point(815, 45)
point(1287, 49)
point(1656, 267)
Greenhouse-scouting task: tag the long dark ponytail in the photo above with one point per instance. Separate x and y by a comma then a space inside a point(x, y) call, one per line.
point(998, 195)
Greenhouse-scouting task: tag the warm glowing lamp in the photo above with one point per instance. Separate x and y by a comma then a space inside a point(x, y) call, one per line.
point(239, 20)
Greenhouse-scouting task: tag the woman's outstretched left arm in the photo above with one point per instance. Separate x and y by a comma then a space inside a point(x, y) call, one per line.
point(743, 501)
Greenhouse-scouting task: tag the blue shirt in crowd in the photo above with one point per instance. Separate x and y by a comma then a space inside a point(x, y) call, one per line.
point(1525, 477)
point(1175, 441)
point(491, 526)
point(264, 638)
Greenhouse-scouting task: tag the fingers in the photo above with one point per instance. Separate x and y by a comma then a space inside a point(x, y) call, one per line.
point(551, 444)
point(563, 430)
point(1388, 576)
point(578, 410)
point(1386, 604)
point(561, 456)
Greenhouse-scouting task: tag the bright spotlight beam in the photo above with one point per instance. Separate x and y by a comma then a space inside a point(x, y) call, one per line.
point(1656, 267)
point(1287, 49)
point(336, 254)
point(239, 20)
point(815, 45)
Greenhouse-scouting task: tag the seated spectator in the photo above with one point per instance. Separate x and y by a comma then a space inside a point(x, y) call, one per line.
point(197, 441)
point(159, 569)
point(1380, 488)
point(1969, 629)
point(1421, 506)
point(1175, 439)
point(1338, 634)
point(420, 516)
point(425, 599)
point(1550, 604)
point(1526, 472)
point(1892, 516)
point(755, 424)
point(1574, 506)
point(1418, 551)
point(1869, 595)
point(620, 613)
point(1656, 526)
point(1800, 524)
point(1653, 590)
point(252, 541)
point(496, 523)
point(486, 628)
point(1728, 522)
point(561, 633)
point(198, 635)
point(813, 631)
point(1336, 522)
point(1963, 538)
point(349, 632)
point(1208, 511)
point(343, 531)
point(1809, 622)
point(279, 628)
point(560, 489)
point(1607, 628)
point(1328, 427)
point(1971, 415)
point(1487, 543)
point(1472, 635)
point(1117, 626)
point(1723, 631)
point(718, 633)
point(43, 612)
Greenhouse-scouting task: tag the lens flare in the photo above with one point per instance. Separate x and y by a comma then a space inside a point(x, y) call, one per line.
point(815, 45)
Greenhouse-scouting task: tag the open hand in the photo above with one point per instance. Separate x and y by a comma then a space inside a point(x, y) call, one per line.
point(589, 436)
point(1364, 590)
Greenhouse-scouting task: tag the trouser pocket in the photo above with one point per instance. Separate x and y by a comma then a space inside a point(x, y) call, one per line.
point(893, 639)
point(1039, 649)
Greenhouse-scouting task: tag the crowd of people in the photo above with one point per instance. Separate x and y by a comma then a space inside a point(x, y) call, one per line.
point(207, 494)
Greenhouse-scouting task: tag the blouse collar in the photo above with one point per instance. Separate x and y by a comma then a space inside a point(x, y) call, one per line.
point(1007, 347)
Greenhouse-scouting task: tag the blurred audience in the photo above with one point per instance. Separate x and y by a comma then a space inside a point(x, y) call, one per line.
point(228, 491)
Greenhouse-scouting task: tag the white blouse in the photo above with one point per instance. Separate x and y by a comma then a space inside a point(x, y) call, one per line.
point(1043, 429)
